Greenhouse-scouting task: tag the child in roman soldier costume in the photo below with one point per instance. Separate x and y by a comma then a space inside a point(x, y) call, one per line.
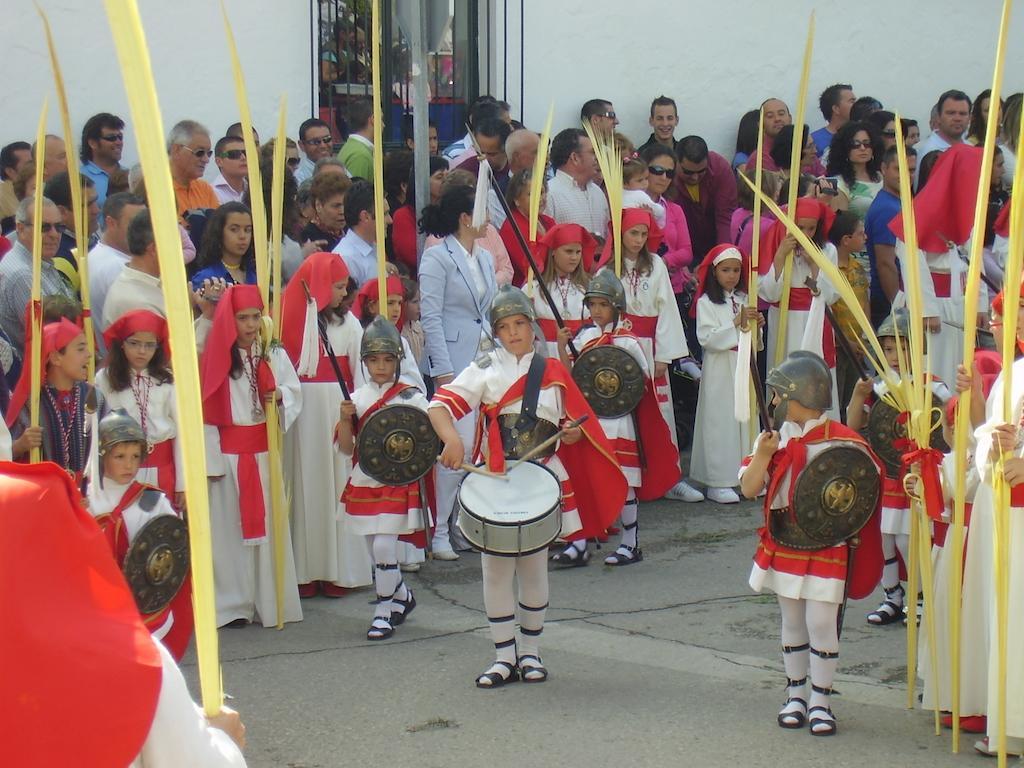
point(811, 577)
point(523, 399)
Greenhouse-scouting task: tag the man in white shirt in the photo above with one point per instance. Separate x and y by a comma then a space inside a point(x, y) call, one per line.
point(316, 143)
point(229, 154)
point(358, 246)
point(573, 197)
point(138, 285)
point(109, 256)
point(954, 115)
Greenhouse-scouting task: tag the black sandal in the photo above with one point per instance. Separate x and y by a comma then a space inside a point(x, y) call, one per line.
point(829, 722)
point(496, 679)
point(635, 555)
point(798, 717)
point(376, 632)
point(397, 619)
point(889, 612)
point(571, 561)
point(535, 669)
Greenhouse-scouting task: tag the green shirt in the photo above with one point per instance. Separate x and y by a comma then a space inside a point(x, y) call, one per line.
point(357, 156)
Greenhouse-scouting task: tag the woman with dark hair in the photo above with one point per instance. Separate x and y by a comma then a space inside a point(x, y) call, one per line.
point(746, 137)
point(782, 155)
point(457, 284)
point(327, 195)
point(855, 157)
point(227, 253)
point(979, 117)
point(885, 123)
point(403, 218)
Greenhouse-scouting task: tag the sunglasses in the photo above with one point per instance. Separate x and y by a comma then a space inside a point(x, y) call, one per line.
point(233, 154)
point(862, 143)
point(112, 137)
point(293, 161)
point(199, 153)
point(609, 115)
point(660, 170)
point(46, 227)
point(889, 134)
point(318, 142)
point(697, 172)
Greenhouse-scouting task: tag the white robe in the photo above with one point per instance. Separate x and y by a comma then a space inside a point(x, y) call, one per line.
point(769, 288)
point(244, 572)
point(570, 307)
point(719, 441)
point(161, 420)
point(1015, 536)
point(325, 548)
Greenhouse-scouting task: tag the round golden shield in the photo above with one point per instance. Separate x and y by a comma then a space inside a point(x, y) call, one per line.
point(611, 380)
point(836, 494)
point(884, 428)
point(397, 445)
point(157, 562)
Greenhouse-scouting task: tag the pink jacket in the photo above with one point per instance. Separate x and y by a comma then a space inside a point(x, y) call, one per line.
point(679, 255)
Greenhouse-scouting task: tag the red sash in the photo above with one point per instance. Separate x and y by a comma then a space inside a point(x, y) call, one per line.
point(550, 328)
point(641, 326)
point(800, 301)
point(325, 371)
point(161, 456)
point(943, 284)
point(245, 443)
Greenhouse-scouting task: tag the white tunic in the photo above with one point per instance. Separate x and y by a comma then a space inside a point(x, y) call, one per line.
point(719, 442)
point(1015, 536)
point(244, 571)
point(568, 298)
point(483, 386)
point(325, 548)
point(623, 427)
point(161, 422)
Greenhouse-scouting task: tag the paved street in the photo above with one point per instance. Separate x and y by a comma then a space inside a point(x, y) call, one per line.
point(669, 662)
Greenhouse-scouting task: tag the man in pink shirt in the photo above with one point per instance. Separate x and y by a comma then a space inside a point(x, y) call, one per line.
point(705, 188)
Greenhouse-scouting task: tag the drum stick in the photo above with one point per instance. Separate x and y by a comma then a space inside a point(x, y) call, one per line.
point(485, 472)
point(537, 449)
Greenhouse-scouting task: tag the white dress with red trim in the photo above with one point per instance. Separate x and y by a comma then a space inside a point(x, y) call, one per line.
point(476, 387)
point(805, 329)
point(239, 469)
point(982, 523)
point(621, 431)
point(818, 574)
point(568, 298)
point(153, 406)
point(325, 548)
point(652, 315)
point(719, 441)
point(117, 510)
point(370, 506)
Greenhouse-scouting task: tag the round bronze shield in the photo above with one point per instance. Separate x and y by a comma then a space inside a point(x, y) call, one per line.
point(611, 380)
point(397, 445)
point(157, 562)
point(884, 429)
point(836, 494)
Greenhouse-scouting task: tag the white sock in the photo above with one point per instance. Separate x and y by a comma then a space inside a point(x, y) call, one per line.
point(499, 604)
point(630, 513)
point(891, 569)
point(824, 638)
point(387, 575)
point(795, 644)
point(532, 572)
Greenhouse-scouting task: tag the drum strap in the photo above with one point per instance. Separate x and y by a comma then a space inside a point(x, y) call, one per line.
point(531, 394)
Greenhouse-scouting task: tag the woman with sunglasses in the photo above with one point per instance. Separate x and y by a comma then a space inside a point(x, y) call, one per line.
point(661, 169)
point(855, 157)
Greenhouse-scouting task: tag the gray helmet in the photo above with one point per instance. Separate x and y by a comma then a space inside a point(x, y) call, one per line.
point(898, 321)
point(118, 427)
point(803, 377)
point(381, 337)
point(511, 301)
point(606, 285)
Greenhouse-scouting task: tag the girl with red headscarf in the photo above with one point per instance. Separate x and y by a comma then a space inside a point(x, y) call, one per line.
point(239, 375)
point(367, 309)
point(138, 379)
point(563, 255)
point(328, 558)
point(806, 327)
point(719, 441)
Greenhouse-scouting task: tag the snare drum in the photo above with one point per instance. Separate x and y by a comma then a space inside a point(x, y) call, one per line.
point(519, 516)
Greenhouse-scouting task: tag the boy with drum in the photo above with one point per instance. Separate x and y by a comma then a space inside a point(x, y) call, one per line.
point(381, 512)
point(524, 400)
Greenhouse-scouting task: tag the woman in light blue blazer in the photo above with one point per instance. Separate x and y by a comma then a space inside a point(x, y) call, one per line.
point(457, 284)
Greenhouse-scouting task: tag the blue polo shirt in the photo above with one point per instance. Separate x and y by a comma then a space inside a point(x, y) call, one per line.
point(822, 139)
point(99, 178)
point(876, 226)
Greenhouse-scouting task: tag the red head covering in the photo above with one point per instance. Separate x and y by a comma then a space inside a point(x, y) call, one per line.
point(81, 674)
point(632, 217)
point(565, 234)
point(320, 271)
point(806, 208)
point(136, 321)
point(56, 336)
point(1002, 222)
point(215, 362)
point(944, 209)
point(368, 293)
point(705, 271)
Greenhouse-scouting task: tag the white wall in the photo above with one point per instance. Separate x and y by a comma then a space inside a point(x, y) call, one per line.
point(188, 51)
point(719, 59)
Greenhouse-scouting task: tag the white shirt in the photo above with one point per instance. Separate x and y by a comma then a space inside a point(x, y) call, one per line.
point(569, 203)
point(105, 263)
point(457, 147)
point(360, 257)
point(133, 289)
point(305, 170)
point(225, 192)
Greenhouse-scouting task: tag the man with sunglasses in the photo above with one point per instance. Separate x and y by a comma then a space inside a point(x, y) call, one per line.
point(705, 188)
point(100, 150)
point(190, 150)
point(229, 155)
point(316, 143)
point(602, 118)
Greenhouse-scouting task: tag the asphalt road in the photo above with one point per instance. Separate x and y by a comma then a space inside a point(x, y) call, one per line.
point(672, 661)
